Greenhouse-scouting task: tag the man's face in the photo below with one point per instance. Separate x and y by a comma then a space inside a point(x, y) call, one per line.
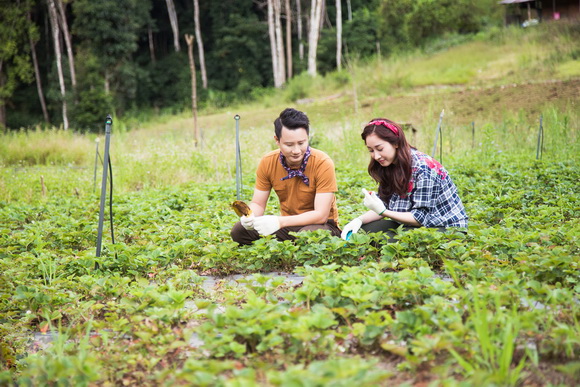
point(293, 144)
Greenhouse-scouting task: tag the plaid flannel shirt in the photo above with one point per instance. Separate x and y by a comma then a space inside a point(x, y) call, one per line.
point(432, 197)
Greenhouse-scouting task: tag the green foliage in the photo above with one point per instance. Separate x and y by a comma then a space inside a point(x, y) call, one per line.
point(408, 24)
point(241, 61)
point(15, 32)
point(496, 334)
point(109, 33)
point(488, 307)
point(493, 306)
point(109, 28)
point(88, 114)
point(43, 147)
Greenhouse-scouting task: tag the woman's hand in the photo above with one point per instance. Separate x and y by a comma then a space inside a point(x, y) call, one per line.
point(373, 202)
point(352, 227)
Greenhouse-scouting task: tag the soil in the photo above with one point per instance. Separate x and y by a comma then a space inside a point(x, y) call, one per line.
point(421, 106)
point(464, 104)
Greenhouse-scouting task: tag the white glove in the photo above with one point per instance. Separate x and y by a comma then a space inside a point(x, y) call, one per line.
point(266, 225)
point(248, 222)
point(352, 227)
point(373, 202)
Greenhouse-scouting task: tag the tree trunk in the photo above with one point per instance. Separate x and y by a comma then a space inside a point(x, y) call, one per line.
point(107, 83)
point(288, 39)
point(313, 33)
point(37, 75)
point(151, 44)
point(272, 35)
point(338, 35)
point(174, 25)
point(326, 17)
point(349, 10)
point(279, 41)
point(2, 102)
point(200, 49)
point(58, 53)
point(299, 25)
point(67, 41)
point(189, 40)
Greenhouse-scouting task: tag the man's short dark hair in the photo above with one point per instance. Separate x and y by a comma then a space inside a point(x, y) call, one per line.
point(291, 119)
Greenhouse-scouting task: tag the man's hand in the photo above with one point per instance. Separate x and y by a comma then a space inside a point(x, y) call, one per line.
point(266, 225)
point(248, 221)
point(352, 227)
point(373, 202)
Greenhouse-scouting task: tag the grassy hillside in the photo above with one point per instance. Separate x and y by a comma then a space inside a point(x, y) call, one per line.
point(494, 87)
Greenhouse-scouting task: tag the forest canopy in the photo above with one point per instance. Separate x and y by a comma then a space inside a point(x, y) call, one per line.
point(65, 62)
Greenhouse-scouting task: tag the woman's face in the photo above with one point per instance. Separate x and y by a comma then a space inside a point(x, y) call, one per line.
point(381, 150)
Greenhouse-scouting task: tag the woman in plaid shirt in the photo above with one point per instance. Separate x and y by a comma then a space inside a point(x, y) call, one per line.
point(414, 189)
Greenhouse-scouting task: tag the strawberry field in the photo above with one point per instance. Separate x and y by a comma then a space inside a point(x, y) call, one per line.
point(175, 302)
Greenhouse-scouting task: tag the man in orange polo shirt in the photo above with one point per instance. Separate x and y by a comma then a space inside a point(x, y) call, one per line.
point(302, 177)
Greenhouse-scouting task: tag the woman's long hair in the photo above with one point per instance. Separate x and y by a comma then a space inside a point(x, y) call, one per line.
point(395, 178)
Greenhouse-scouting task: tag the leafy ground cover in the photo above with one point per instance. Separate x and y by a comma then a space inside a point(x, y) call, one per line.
point(500, 305)
point(496, 306)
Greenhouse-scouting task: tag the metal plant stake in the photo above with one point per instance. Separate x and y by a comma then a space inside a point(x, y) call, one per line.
point(437, 134)
point(238, 160)
point(540, 147)
point(108, 123)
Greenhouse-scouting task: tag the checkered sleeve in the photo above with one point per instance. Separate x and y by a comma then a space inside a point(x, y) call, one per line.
point(422, 197)
point(433, 201)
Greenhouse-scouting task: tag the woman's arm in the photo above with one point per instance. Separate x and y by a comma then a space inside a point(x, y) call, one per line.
point(406, 218)
point(369, 216)
point(401, 217)
point(379, 210)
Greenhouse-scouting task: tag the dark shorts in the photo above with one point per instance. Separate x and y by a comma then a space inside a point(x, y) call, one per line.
point(389, 226)
point(245, 237)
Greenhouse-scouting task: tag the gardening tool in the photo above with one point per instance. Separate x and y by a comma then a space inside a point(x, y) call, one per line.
point(241, 208)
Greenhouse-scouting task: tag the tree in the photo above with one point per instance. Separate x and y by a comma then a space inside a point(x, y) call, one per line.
point(200, 49)
point(299, 30)
point(32, 39)
point(404, 24)
point(174, 24)
point(61, 11)
point(349, 10)
point(54, 22)
point(239, 61)
point(14, 60)
point(338, 34)
point(313, 34)
point(151, 43)
point(112, 40)
point(189, 40)
point(273, 46)
point(288, 38)
point(279, 41)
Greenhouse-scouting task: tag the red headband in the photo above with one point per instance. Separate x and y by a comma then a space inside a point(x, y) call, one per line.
point(386, 124)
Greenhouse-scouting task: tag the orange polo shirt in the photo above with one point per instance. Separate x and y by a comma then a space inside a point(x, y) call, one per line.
point(296, 197)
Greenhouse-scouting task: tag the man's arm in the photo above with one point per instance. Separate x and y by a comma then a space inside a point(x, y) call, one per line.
point(259, 201)
point(322, 203)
